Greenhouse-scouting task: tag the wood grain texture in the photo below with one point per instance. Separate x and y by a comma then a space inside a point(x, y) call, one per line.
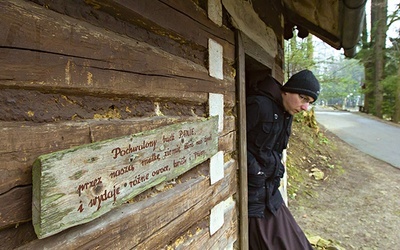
point(18, 235)
point(242, 141)
point(77, 52)
point(23, 142)
point(15, 204)
point(39, 107)
point(63, 138)
point(124, 226)
point(77, 185)
point(184, 35)
point(94, 61)
point(199, 237)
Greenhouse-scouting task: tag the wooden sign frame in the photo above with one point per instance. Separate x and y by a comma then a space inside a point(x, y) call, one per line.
point(77, 185)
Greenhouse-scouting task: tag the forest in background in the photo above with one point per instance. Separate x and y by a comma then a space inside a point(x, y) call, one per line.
point(370, 82)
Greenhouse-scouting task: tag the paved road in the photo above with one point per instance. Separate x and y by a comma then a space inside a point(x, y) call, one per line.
point(378, 139)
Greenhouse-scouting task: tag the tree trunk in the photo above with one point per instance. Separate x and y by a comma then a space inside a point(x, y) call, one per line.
point(378, 33)
point(367, 62)
point(396, 115)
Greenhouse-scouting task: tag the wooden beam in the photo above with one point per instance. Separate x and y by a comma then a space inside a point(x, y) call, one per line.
point(257, 52)
point(245, 19)
point(242, 141)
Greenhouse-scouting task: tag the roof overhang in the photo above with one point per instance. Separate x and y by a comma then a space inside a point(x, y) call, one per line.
point(339, 23)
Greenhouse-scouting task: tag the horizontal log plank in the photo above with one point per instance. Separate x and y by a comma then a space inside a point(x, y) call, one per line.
point(188, 21)
point(54, 73)
point(121, 226)
point(95, 131)
point(94, 60)
point(227, 143)
point(104, 175)
point(22, 143)
point(187, 96)
point(199, 237)
point(189, 28)
point(16, 236)
point(39, 107)
point(16, 206)
point(181, 224)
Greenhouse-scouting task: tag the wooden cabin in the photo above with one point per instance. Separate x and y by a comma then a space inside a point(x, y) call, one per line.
point(122, 122)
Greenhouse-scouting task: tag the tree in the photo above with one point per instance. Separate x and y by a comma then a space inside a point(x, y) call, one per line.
point(339, 77)
point(365, 56)
point(396, 113)
point(394, 17)
point(378, 38)
point(340, 80)
point(298, 54)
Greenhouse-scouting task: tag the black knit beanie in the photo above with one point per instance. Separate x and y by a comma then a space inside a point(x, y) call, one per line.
point(303, 82)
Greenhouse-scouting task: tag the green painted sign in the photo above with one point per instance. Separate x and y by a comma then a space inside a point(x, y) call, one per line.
point(77, 185)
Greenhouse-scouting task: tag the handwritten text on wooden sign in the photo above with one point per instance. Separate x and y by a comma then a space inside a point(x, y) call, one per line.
point(77, 185)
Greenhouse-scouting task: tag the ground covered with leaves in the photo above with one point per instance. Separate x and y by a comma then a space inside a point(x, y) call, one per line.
point(341, 197)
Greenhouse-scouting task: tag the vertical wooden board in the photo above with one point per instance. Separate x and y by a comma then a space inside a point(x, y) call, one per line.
point(77, 185)
point(242, 138)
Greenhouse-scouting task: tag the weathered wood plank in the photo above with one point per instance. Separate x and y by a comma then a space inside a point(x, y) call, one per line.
point(188, 21)
point(254, 50)
point(16, 206)
point(39, 107)
point(242, 142)
point(247, 21)
point(106, 174)
point(190, 83)
point(121, 227)
point(227, 142)
point(189, 28)
point(183, 222)
point(18, 235)
point(94, 60)
point(22, 143)
point(199, 237)
point(100, 130)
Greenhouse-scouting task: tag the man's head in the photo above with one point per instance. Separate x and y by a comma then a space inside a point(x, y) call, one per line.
point(300, 91)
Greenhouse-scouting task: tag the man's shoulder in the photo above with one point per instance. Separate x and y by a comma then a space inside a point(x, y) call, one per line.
point(263, 101)
point(259, 99)
point(267, 108)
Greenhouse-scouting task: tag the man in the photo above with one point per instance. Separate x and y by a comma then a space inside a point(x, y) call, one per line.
point(270, 107)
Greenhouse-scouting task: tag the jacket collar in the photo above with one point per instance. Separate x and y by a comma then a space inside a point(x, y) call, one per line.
point(268, 87)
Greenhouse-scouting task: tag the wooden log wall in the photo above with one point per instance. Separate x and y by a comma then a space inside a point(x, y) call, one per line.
point(76, 72)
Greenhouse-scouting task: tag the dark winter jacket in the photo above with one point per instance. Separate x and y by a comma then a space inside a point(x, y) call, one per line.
point(268, 130)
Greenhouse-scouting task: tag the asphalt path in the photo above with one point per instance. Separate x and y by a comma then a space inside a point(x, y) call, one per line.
point(372, 136)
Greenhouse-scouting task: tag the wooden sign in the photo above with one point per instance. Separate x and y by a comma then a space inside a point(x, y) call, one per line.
point(77, 185)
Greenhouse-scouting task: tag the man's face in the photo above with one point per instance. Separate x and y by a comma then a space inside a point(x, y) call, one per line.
point(294, 103)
